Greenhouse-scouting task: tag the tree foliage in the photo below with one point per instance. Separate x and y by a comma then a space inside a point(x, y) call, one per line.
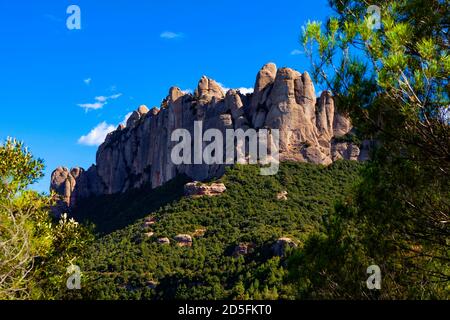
point(35, 250)
point(129, 264)
point(394, 83)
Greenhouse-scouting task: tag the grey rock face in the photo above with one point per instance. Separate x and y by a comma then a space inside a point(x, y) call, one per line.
point(139, 153)
point(279, 248)
point(325, 115)
point(63, 184)
point(163, 241)
point(184, 240)
point(197, 189)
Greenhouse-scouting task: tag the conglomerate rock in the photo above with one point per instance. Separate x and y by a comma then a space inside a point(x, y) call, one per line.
point(139, 153)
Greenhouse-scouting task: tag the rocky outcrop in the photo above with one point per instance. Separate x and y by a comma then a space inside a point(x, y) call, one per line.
point(264, 81)
point(198, 189)
point(345, 150)
point(198, 233)
point(279, 248)
point(149, 222)
point(282, 196)
point(139, 153)
point(152, 284)
point(184, 240)
point(63, 184)
point(73, 185)
point(163, 241)
point(243, 249)
point(208, 88)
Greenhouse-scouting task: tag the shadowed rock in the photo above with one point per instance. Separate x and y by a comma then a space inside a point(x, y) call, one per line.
point(184, 240)
point(163, 241)
point(243, 249)
point(279, 248)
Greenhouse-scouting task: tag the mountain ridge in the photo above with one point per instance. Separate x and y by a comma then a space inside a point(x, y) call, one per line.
point(138, 153)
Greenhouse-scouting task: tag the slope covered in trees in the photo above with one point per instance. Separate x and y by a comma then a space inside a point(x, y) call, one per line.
point(128, 264)
point(393, 79)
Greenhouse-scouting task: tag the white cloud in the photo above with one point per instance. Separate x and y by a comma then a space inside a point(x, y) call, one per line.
point(91, 106)
point(87, 81)
point(246, 90)
point(224, 88)
point(106, 98)
point(97, 135)
point(101, 98)
point(115, 96)
point(170, 35)
point(296, 52)
point(188, 91)
point(101, 101)
point(241, 89)
point(125, 119)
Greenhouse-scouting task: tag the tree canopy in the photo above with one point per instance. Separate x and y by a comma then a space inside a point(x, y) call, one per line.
point(393, 80)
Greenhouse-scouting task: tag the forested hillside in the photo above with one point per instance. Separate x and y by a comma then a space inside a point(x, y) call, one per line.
point(129, 263)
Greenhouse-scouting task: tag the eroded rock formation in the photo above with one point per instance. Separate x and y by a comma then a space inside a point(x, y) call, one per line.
point(139, 153)
point(197, 189)
point(184, 240)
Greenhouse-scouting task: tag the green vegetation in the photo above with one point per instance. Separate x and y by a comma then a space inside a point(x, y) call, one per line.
point(35, 250)
point(350, 137)
point(394, 82)
point(392, 212)
point(126, 264)
point(113, 212)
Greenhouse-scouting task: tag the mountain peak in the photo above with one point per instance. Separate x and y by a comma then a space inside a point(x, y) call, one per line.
point(140, 155)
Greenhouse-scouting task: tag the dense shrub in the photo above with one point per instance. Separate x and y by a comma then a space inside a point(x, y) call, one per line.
point(125, 264)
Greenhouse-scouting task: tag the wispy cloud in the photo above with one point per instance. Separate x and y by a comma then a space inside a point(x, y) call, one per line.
point(296, 52)
point(97, 135)
point(171, 35)
point(101, 98)
point(125, 119)
point(87, 81)
point(115, 96)
point(91, 106)
point(99, 103)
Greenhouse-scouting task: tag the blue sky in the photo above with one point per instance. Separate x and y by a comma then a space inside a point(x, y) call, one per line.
point(128, 53)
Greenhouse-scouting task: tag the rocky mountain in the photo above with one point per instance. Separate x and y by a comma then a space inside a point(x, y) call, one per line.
point(139, 153)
